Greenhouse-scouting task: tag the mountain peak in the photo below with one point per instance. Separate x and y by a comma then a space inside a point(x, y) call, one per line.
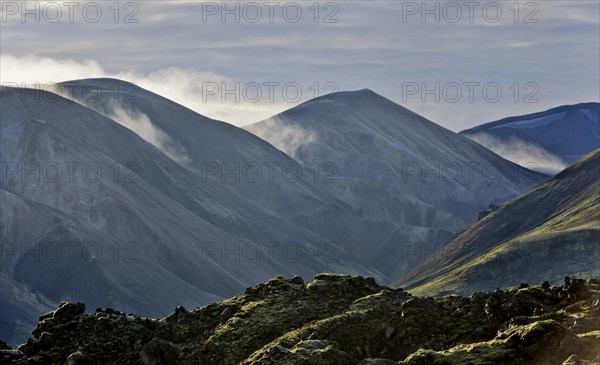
point(98, 81)
point(363, 92)
point(352, 94)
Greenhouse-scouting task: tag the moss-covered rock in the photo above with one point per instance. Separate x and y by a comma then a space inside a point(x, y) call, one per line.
point(334, 319)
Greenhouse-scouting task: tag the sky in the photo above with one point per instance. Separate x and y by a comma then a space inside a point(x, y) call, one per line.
point(458, 63)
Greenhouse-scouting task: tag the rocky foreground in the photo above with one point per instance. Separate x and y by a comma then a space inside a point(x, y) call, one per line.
point(333, 319)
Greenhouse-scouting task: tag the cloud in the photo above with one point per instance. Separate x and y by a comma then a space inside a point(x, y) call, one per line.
point(521, 152)
point(289, 139)
point(32, 69)
point(205, 92)
point(559, 53)
point(209, 93)
point(143, 126)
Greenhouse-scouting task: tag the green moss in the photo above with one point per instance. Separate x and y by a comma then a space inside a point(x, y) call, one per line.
point(504, 349)
point(558, 222)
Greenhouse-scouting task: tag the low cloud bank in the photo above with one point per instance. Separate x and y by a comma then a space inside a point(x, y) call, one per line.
point(189, 87)
point(521, 152)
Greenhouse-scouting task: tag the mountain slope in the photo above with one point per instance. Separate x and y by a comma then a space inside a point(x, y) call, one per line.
point(550, 232)
point(143, 199)
point(93, 212)
point(567, 132)
point(284, 190)
point(207, 147)
point(418, 182)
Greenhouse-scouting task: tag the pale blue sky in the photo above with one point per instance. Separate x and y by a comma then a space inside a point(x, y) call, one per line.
point(172, 50)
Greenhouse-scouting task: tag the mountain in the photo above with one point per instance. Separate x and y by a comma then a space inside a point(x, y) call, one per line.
point(93, 212)
point(417, 182)
point(116, 196)
point(333, 320)
point(549, 232)
point(552, 139)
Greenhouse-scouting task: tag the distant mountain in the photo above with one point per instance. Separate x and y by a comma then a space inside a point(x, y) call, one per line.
point(417, 182)
point(552, 139)
point(549, 232)
point(93, 212)
point(116, 196)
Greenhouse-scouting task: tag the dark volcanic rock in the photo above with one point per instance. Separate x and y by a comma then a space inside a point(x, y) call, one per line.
point(78, 358)
point(4, 346)
point(334, 319)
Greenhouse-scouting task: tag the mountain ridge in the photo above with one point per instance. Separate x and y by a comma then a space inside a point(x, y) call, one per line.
point(165, 210)
point(405, 162)
point(553, 110)
point(552, 139)
point(525, 238)
point(155, 198)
